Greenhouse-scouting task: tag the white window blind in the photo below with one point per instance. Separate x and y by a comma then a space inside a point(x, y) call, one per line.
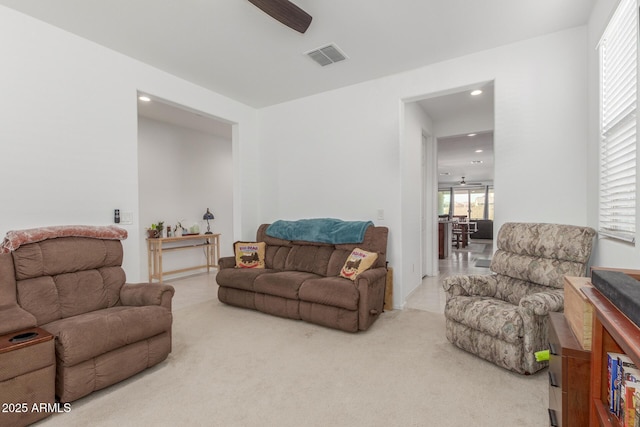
point(618, 105)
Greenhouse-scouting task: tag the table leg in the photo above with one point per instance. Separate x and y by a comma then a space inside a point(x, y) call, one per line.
point(159, 265)
point(150, 260)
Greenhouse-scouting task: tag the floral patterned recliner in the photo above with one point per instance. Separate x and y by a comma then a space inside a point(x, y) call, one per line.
point(503, 317)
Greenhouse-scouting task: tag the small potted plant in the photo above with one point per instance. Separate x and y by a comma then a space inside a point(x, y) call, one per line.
point(156, 230)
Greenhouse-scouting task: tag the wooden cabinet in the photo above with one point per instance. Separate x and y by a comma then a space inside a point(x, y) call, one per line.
point(27, 376)
point(612, 331)
point(569, 372)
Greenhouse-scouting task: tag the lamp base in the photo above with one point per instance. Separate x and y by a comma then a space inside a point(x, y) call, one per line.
point(209, 232)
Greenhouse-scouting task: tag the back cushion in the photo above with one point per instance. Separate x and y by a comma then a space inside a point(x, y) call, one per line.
point(309, 258)
point(320, 258)
point(375, 240)
point(542, 253)
point(276, 256)
point(7, 280)
point(277, 249)
point(555, 241)
point(62, 277)
point(542, 271)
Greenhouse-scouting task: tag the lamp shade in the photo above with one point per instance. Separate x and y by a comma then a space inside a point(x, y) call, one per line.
point(208, 215)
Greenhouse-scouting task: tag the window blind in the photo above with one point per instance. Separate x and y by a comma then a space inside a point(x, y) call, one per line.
point(618, 123)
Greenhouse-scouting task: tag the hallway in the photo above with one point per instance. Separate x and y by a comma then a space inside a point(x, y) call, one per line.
point(430, 295)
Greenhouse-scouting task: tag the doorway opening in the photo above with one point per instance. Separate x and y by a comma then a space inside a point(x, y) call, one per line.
point(458, 182)
point(185, 166)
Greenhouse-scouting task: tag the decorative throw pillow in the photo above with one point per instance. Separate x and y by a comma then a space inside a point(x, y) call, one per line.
point(359, 261)
point(249, 254)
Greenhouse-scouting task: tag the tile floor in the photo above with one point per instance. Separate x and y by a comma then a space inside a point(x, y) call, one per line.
point(429, 296)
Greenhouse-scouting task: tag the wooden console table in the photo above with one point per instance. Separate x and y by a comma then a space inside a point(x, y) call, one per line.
point(209, 242)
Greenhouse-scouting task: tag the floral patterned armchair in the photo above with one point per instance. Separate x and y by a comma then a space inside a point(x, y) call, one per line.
point(503, 317)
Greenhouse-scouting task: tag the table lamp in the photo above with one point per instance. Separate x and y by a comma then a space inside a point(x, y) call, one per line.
point(208, 216)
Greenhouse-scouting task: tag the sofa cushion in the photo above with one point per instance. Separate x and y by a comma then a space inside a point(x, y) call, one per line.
point(336, 262)
point(493, 317)
point(284, 284)
point(61, 277)
point(249, 254)
point(65, 255)
point(309, 258)
point(276, 256)
point(88, 335)
point(375, 240)
point(542, 271)
point(333, 291)
point(240, 278)
point(50, 298)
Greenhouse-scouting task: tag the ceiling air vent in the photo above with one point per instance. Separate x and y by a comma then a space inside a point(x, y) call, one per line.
point(326, 55)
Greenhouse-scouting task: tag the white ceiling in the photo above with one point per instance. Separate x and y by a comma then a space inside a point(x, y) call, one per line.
point(456, 152)
point(181, 116)
point(233, 48)
point(455, 157)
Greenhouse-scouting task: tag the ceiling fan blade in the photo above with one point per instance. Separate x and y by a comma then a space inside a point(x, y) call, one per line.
point(286, 12)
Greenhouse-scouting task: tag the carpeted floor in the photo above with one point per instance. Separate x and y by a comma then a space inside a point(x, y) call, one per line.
point(236, 367)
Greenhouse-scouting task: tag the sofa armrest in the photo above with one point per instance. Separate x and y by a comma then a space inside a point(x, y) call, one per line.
point(15, 318)
point(371, 275)
point(371, 285)
point(227, 262)
point(141, 294)
point(543, 303)
point(484, 285)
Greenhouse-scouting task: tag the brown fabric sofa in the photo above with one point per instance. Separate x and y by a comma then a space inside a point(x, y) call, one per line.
point(301, 281)
point(74, 287)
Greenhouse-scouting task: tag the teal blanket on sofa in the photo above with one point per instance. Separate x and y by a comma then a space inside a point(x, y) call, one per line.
point(320, 230)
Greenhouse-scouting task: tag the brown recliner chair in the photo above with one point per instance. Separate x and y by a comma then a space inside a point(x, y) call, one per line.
point(74, 287)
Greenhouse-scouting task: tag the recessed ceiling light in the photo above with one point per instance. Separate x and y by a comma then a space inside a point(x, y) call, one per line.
point(471, 134)
point(144, 98)
point(476, 92)
point(479, 151)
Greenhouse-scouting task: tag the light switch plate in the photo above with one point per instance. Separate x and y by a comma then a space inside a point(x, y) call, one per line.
point(126, 217)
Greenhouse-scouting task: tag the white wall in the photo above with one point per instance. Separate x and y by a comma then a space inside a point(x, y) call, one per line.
point(416, 124)
point(461, 124)
point(69, 138)
point(609, 253)
point(69, 132)
point(182, 172)
point(342, 153)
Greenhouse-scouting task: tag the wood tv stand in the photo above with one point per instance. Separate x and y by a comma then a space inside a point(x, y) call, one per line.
point(612, 331)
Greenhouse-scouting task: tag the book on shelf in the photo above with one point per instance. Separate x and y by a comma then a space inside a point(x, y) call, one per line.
point(636, 405)
point(630, 383)
point(623, 384)
point(626, 369)
point(612, 380)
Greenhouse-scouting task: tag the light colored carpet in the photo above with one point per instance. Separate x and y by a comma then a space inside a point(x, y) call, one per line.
point(236, 367)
